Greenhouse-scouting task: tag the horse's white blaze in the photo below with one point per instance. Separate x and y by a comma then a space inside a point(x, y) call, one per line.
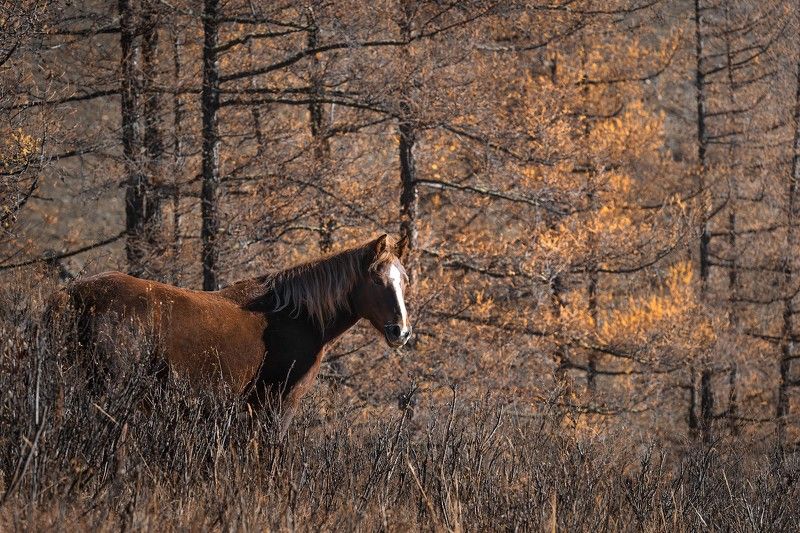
point(396, 277)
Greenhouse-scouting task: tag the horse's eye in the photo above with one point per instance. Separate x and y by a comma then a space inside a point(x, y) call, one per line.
point(375, 276)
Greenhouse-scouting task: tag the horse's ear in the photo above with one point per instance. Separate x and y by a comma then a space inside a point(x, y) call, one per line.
point(402, 246)
point(381, 244)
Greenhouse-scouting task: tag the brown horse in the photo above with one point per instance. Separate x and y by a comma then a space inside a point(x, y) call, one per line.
point(264, 337)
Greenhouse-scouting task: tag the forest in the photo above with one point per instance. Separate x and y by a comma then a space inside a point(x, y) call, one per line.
point(600, 211)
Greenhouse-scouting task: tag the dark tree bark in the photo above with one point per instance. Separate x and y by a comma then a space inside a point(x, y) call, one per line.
point(733, 289)
point(153, 143)
point(209, 194)
point(177, 147)
point(702, 139)
point(561, 353)
point(787, 343)
point(733, 399)
point(733, 270)
point(409, 195)
point(591, 204)
point(706, 405)
point(692, 414)
point(255, 113)
point(136, 186)
point(706, 393)
point(318, 125)
point(591, 372)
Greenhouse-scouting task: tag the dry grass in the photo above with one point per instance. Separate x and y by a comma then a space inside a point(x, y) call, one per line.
point(125, 451)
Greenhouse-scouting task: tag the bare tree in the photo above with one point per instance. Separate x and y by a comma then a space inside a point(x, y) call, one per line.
point(409, 195)
point(136, 180)
point(787, 353)
point(209, 196)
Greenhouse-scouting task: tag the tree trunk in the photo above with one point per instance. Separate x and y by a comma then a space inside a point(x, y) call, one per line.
point(210, 179)
point(733, 289)
point(135, 188)
point(409, 195)
point(153, 144)
point(706, 393)
point(561, 353)
point(733, 270)
point(178, 112)
point(591, 204)
point(733, 399)
point(692, 415)
point(702, 139)
point(787, 343)
point(321, 145)
point(706, 405)
point(255, 111)
point(591, 372)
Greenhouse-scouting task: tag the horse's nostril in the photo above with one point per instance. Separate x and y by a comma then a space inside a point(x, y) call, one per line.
point(393, 331)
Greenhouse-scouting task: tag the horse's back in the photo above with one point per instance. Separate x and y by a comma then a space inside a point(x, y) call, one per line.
point(140, 298)
point(107, 291)
point(202, 334)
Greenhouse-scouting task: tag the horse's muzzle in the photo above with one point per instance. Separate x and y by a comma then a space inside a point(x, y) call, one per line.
point(396, 335)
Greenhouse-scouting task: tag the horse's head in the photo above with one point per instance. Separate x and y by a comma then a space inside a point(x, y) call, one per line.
point(379, 297)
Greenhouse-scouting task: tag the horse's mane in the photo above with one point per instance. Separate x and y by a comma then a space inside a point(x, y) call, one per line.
point(321, 287)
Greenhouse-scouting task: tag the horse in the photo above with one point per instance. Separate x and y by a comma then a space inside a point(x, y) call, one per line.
point(263, 337)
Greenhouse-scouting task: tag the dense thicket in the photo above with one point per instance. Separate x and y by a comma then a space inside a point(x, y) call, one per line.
point(600, 198)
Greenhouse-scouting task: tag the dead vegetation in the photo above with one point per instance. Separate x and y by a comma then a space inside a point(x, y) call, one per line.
point(137, 454)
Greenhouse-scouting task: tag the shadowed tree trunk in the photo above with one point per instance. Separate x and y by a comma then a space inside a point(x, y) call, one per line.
point(692, 414)
point(255, 110)
point(706, 394)
point(591, 204)
point(591, 372)
point(787, 342)
point(209, 193)
point(706, 405)
point(702, 145)
point(733, 272)
point(135, 182)
point(561, 356)
point(153, 143)
point(318, 125)
point(178, 114)
point(733, 284)
point(409, 195)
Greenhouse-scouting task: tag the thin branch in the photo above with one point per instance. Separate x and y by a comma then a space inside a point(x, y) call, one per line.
point(478, 189)
point(64, 255)
point(65, 100)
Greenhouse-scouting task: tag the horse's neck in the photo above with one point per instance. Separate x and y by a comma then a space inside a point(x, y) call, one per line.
point(314, 338)
point(345, 320)
point(295, 346)
point(242, 292)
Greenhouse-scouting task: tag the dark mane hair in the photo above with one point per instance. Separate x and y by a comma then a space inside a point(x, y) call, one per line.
point(321, 287)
